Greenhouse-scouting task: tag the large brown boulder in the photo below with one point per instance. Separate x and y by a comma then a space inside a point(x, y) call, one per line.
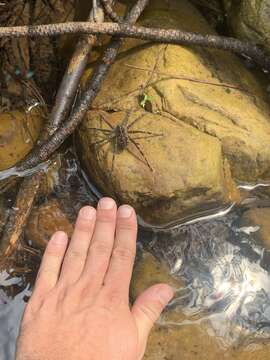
point(180, 179)
point(208, 108)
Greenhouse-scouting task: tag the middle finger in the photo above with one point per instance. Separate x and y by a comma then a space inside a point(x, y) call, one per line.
point(101, 245)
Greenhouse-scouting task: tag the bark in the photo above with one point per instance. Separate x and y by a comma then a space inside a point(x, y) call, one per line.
point(19, 214)
point(110, 12)
point(70, 82)
point(170, 36)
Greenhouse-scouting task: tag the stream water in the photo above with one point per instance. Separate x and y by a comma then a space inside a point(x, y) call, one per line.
point(222, 262)
point(226, 278)
point(221, 259)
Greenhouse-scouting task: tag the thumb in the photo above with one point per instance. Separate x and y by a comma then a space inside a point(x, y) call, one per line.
point(147, 309)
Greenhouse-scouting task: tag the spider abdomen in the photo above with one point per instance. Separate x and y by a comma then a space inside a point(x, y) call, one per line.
point(121, 137)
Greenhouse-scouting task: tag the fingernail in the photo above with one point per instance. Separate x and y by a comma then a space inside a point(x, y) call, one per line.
point(125, 211)
point(59, 238)
point(165, 294)
point(106, 204)
point(87, 212)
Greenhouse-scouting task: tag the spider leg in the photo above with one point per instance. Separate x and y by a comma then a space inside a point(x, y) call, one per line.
point(145, 137)
point(144, 132)
point(99, 141)
point(139, 158)
point(97, 129)
point(134, 121)
point(104, 141)
point(106, 121)
point(114, 152)
point(125, 121)
point(141, 152)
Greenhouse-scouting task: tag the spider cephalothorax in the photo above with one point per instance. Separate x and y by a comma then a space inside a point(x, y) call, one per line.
point(121, 136)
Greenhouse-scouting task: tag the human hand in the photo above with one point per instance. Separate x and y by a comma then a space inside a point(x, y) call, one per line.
point(80, 304)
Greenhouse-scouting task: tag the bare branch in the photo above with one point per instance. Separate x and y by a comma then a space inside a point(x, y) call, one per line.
point(110, 12)
point(20, 213)
point(172, 36)
point(69, 85)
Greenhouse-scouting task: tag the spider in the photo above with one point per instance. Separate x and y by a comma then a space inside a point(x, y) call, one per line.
point(120, 136)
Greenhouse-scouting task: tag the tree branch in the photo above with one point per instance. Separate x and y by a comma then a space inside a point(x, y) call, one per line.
point(69, 85)
point(110, 12)
point(19, 214)
point(172, 36)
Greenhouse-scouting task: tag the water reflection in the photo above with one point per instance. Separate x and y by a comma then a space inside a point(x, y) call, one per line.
point(226, 276)
point(223, 266)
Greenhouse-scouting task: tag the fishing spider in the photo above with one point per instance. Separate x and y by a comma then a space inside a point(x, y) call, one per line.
point(120, 137)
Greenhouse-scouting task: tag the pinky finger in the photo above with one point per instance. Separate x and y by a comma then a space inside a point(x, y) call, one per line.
point(50, 267)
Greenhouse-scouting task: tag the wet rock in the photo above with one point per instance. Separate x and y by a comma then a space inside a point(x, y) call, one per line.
point(259, 219)
point(18, 132)
point(192, 342)
point(44, 221)
point(149, 271)
point(187, 343)
point(202, 123)
point(249, 20)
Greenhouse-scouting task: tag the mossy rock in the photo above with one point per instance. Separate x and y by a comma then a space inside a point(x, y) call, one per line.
point(250, 20)
point(18, 133)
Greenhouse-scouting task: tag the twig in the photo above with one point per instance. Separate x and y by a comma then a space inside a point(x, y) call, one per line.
point(110, 12)
point(186, 78)
point(20, 212)
point(42, 153)
point(172, 36)
point(69, 85)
